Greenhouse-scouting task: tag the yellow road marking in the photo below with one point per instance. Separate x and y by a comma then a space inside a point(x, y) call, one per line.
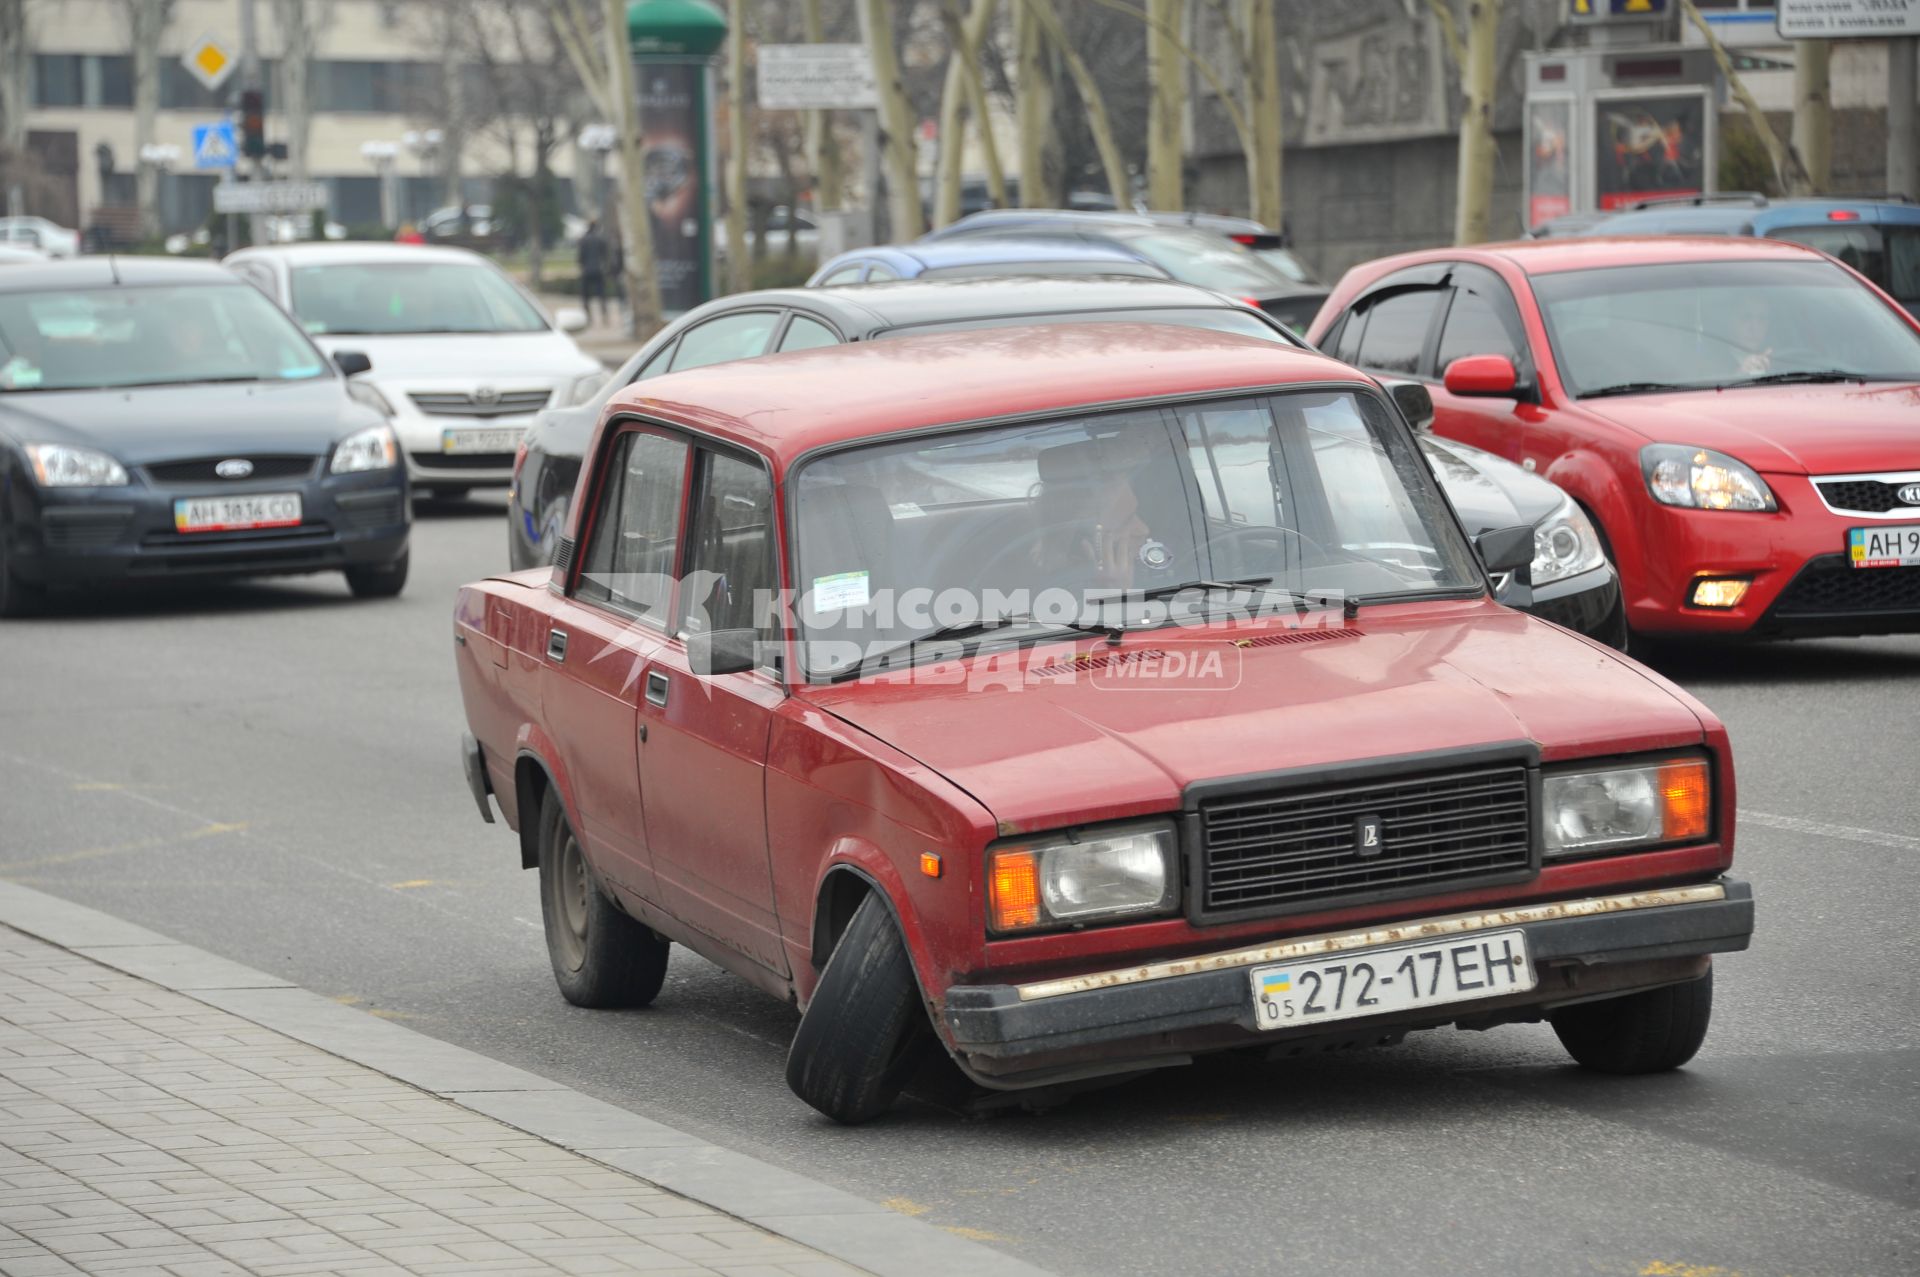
point(143, 844)
point(975, 1234)
point(410, 883)
point(1669, 1268)
point(906, 1206)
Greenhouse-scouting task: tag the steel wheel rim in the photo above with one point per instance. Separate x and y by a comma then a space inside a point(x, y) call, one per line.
point(569, 890)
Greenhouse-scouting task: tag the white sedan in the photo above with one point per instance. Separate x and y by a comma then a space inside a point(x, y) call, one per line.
point(462, 356)
point(48, 237)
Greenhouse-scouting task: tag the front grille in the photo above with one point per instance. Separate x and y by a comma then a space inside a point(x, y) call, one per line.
point(1865, 496)
point(200, 469)
point(457, 403)
point(1830, 585)
point(1440, 829)
point(463, 460)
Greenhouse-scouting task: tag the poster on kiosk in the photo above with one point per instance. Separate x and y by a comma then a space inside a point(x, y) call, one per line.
point(1649, 144)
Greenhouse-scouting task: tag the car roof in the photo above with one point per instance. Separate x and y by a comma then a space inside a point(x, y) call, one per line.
point(333, 252)
point(1759, 218)
point(790, 404)
point(1554, 255)
point(937, 254)
point(105, 272)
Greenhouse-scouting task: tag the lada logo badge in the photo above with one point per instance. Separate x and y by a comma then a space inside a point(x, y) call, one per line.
point(1910, 494)
point(234, 468)
point(1368, 840)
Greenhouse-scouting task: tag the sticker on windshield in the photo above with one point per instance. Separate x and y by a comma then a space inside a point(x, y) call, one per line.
point(18, 374)
point(299, 371)
point(841, 590)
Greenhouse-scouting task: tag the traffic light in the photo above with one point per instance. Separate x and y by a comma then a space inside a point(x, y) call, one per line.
point(253, 123)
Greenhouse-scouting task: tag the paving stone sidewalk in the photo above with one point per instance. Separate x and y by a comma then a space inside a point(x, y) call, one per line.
point(143, 1132)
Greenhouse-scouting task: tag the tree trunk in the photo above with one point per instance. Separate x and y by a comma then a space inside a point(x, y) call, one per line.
point(980, 23)
point(896, 120)
point(1266, 156)
point(1477, 80)
point(739, 270)
point(1786, 166)
point(823, 153)
point(1813, 111)
point(642, 280)
point(146, 21)
point(1033, 109)
point(298, 22)
point(15, 59)
point(962, 103)
point(1166, 105)
point(1092, 102)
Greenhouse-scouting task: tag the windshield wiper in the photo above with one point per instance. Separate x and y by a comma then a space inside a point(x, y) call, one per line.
point(1634, 388)
point(971, 629)
point(1805, 376)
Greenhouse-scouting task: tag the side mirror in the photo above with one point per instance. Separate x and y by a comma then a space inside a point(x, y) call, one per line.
point(1505, 549)
point(571, 319)
point(352, 363)
point(731, 651)
point(1489, 376)
point(1415, 401)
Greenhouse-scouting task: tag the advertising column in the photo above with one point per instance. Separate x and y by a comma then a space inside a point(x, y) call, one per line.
point(673, 44)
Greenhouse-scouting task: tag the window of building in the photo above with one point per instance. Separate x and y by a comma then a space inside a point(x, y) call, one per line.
point(56, 79)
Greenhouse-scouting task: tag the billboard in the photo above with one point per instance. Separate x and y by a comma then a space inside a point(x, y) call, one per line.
point(1647, 146)
point(674, 155)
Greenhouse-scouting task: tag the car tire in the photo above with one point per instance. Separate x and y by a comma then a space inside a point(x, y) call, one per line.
point(1648, 1032)
point(865, 1032)
point(370, 582)
point(601, 958)
point(17, 597)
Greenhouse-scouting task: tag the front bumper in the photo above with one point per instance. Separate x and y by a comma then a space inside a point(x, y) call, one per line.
point(1587, 603)
point(1145, 1016)
point(429, 465)
point(92, 536)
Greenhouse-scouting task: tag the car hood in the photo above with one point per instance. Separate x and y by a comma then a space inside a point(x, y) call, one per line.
point(158, 423)
point(1489, 492)
point(466, 356)
point(1054, 750)
point(1829, 429)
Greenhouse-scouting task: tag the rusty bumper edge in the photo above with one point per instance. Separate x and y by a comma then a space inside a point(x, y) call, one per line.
point(1120, 1006)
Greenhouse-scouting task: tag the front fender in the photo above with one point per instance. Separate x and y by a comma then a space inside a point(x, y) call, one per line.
point(1596, 485)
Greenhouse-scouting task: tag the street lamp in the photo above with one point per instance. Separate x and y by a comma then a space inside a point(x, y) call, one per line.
point(381, 156)
point(598, 139)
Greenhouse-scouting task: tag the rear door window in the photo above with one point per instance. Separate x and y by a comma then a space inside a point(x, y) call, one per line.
point(808, 334)
point(730, 337)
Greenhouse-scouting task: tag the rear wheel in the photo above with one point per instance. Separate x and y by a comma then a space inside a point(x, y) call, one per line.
point(17, 598)
point(865, 1032)
point(600, 956)
point(370, 582)
point(1647, 1032)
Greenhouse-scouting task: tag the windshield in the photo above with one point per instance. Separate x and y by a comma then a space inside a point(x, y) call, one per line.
point(1719, 323)
point(1887, 255)
point(1286, 263)
point(386, 298)
point(102, 338)
point(1315, 493)
point(1220, 319)
point(1206, 260)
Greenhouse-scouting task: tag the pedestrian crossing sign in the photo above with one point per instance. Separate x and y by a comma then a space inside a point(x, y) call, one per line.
point(213, 145)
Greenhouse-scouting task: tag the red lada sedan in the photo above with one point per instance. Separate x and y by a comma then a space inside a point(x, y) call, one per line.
point(1074, 700)
point(1741, 418)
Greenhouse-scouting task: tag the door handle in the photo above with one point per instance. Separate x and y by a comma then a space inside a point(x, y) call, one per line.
point(656, 688)
point(556, 645)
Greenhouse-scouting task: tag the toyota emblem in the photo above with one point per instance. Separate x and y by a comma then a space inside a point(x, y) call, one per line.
point(486, 395)
point(234, 468)
point(1910, 494)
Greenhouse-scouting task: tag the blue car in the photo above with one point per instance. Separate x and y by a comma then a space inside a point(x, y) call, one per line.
point(1877, 236)
point(978, 259)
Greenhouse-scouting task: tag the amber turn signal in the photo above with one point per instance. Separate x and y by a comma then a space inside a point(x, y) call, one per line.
point(1014, 895)
point(930, 863)
point(1684, 799)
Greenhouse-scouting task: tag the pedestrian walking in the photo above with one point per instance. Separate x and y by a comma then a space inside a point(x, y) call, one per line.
point(594, 259)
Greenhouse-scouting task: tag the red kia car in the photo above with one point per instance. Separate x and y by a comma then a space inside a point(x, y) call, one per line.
point(1741, 418)
point(1074, 700)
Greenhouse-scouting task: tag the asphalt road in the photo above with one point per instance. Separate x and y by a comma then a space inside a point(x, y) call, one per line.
point(270, 771)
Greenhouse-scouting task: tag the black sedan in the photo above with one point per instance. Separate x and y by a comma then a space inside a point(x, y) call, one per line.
point(161, 419)
point(1570, 580)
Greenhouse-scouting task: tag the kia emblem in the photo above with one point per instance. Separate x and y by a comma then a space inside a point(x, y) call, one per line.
point(1368, 838)
point(485, 395)
point(234, 468)
point(1910, 494)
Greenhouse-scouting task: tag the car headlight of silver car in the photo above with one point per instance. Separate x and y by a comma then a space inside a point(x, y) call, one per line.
point(370, 449)
point(1081, 876)
point(1702, 479)
point(61, 465)
point(1564, 544)
point(1627, 806)
point(584, 389)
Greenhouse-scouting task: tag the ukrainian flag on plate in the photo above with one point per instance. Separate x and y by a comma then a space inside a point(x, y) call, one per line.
point(1275, 982)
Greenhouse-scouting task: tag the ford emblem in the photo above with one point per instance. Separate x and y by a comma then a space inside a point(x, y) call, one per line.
point(1910, 494)
point(234, 468)
point(485, 395)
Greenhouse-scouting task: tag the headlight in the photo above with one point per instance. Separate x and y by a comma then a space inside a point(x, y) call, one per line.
point(1088, 875)
point(1702, 479)
point(1623, 808)
point(585, 388)
point(59, 465)
point(1564, 544)
point(368, 394)
point(369, 449)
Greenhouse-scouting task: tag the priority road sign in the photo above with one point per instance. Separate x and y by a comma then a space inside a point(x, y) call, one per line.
point(213, 145)
point(208, 61)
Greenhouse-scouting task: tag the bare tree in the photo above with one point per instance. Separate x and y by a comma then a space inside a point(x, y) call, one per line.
point(1167, 89)
point(300, 23)
point(739, 272)
point(1473, 56)
point(15, 59)
point(1034, 110)
point(643, 280)
point(1091, 100)
point(1266, 156)
point(1813, 110)
point(896, 119)
point(146, 22)
point(1787, 169)
point(823, 154)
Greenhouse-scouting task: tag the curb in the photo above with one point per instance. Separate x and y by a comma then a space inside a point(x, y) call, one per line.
point(827, 1219)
